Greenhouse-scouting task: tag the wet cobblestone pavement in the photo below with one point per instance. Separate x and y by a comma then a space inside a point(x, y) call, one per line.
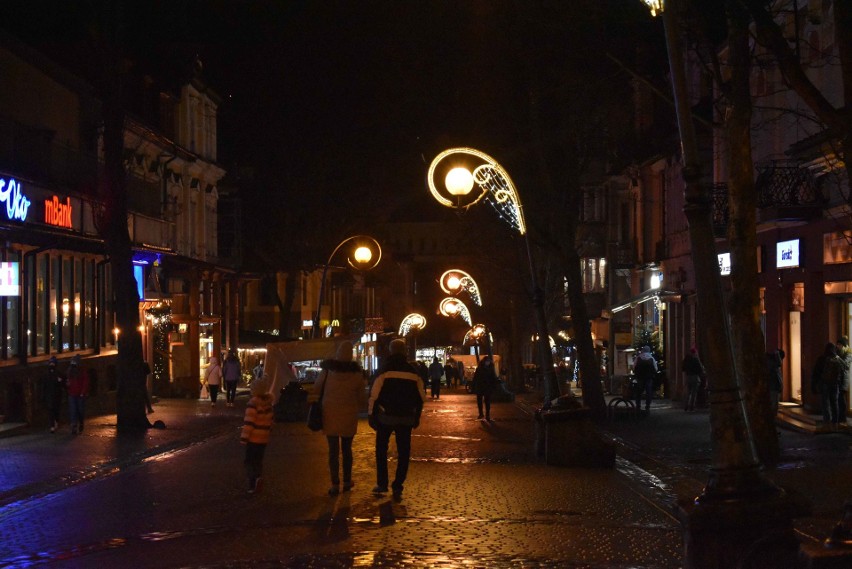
point(476, 496)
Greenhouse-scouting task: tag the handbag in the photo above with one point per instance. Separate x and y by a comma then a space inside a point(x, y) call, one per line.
point(315, 409)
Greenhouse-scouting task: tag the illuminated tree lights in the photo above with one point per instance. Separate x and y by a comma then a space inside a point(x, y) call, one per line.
point(160, 317)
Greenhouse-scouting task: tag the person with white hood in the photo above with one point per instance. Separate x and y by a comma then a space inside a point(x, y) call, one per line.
point(213, 379)
point(344, 393)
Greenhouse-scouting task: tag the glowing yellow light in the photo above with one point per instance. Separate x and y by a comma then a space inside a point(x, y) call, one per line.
point(115, 332)
point(453, 307)
point(456, 280)
point(363, 254)
point(656, 6)
point(412, 323)
point(141, 328)
point(459, 181)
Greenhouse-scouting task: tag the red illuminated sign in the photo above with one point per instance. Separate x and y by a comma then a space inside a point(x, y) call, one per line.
point(58, 213)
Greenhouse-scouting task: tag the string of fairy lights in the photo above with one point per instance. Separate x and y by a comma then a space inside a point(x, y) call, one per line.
point(501, 195)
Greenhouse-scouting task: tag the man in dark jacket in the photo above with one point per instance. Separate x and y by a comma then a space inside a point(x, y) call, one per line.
point(396, 402)
point(645, 369)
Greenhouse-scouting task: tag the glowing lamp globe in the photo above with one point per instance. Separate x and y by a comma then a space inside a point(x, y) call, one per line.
point(453, 283)
point(362, 255)
point(459, 181)
point(656, 6)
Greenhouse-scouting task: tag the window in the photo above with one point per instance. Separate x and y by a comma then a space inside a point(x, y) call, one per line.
point(66, 306)
point(11, 315)
point(593, 271)
point(89, 303)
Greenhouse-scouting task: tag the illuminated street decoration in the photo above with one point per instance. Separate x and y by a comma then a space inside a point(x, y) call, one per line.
point(412, 323)
point(453, 307)
point(494, 183)
point(476, 334)
point(17, 204)
point(455, 280)
point(496, 187)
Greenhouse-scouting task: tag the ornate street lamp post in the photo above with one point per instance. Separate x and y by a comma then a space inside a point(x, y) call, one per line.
point(412, 325)
point(739, 508)
point(464, 169)
point(455, 281)
point(363, 255)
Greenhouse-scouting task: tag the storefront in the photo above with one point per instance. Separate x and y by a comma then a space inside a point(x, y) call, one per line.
point(56, 294)
point(806, 300)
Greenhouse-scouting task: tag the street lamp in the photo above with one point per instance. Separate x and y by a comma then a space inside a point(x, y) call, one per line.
point(456, 280)
point(452, 307)
point(475, 337)
point(739, 507)
point(364, 254)
point(453, 167)
point(412, 325)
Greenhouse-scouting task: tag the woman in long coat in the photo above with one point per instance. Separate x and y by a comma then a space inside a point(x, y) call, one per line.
point(344, 394)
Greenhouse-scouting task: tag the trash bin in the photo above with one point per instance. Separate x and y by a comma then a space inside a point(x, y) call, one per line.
point(570, 439)
point(292, 404)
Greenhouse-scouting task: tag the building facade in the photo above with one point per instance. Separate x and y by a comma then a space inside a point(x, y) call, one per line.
point(56, 290)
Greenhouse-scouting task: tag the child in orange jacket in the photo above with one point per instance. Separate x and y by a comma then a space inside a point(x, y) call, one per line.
point(257, 425)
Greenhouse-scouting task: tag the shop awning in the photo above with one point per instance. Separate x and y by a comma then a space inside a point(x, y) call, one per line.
point(651, 294)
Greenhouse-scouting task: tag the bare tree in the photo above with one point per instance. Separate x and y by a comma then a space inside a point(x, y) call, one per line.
point(112, 225)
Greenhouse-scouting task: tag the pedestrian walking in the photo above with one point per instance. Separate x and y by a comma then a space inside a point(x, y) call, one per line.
point(78, 389)
point(483, 384)
point(343, 395)
point(257, 372)
point(231, 373)
point(692, 370)
point(451, 371)
point(845, 354)
point(436, 374)
point(826, 378)
point(213, 380)
point(645, 369)
point(146, 372)
point(257, 426)
point(423, 372)
point(774, 361)
point(396, 402)
point(53, 387)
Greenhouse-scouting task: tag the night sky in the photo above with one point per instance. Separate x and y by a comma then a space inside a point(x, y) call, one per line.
point(349, 100)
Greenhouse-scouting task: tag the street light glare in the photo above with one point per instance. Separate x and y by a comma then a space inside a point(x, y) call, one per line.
point(459, 181)
point(453, 283)
point(656, 6)
point(363, 254)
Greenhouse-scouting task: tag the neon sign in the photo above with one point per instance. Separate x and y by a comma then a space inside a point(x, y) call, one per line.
point(58, 213)
point(16, 203)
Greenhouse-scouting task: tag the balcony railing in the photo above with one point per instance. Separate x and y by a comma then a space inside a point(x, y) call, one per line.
point(151, 231)
point(787, 185)
point(786, 192)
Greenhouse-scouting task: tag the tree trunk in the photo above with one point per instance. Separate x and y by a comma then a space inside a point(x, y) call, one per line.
point(589, 365)
point(744, 300)
point(131, 390)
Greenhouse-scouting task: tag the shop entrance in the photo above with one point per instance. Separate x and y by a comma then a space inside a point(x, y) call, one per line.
point(795, 352)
